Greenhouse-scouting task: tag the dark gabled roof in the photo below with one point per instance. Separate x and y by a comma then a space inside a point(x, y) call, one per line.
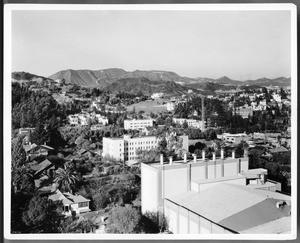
point(41, 166)
point(278, 150)
point(260, 213)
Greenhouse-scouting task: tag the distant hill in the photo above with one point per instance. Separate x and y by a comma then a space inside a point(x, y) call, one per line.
point(104, 77)
point(146, 86)
point(281, 81)
point(26, 77)
point(89, 78)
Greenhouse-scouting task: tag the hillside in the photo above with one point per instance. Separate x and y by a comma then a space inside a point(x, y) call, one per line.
point(27, 77)
point(281, 81)
point(104, 77)
point(89, 78)
point(146, 86)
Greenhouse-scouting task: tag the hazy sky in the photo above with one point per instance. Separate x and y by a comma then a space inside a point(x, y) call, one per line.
point(238, 44)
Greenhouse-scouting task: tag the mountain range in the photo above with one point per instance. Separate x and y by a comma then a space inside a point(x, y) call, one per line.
point(115, 79)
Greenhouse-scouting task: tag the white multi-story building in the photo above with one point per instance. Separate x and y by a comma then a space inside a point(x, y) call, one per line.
point(137, 124)
point(125, 148)
point(191, 122)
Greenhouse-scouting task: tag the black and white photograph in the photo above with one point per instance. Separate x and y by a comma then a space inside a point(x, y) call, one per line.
point(150, 121)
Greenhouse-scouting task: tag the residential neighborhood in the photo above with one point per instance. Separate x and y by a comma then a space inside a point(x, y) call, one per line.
point(88, 158)
point(150, 121)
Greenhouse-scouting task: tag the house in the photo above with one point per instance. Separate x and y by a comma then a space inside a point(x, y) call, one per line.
point(278, 150)
point(71, 203)
point(235, 138)
point(85, 152)
point(46, 166)
point(97, 218)
point(33, 150)
point(26, 130)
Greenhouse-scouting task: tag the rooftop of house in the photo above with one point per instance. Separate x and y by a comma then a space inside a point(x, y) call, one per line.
point(234, 206)
point(41, 166)
point(67, 198)
point(278, 150)
point(32, 146)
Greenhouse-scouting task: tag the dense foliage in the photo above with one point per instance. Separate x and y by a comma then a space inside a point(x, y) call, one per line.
point(123, 220)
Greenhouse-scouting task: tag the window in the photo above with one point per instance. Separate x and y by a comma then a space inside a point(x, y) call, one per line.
point(83, 204)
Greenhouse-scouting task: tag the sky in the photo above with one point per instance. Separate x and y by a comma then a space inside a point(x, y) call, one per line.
point(238, 44)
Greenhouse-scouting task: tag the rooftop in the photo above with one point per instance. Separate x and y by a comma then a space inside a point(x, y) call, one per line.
point(67, 198)
point(224, 200)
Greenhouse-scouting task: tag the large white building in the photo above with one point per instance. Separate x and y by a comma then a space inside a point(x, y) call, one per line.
point(137, 124)
point(218, 196)
point(125, 148)
point(235, 138)
point(191, 122)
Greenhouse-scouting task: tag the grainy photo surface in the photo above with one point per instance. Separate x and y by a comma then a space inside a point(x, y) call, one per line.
point(153, 121)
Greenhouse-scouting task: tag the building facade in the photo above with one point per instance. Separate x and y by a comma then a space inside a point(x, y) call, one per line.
point(191, 122)
point(137, 124)
point(218, 196)
point(125, 148)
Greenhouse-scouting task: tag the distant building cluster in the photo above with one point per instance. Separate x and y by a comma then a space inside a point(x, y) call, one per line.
point(190, 122)
point(84, 119)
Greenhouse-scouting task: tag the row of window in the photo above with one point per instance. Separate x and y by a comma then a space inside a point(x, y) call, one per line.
point(144, 142)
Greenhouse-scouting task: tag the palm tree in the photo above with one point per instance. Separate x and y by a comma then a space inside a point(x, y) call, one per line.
point(66, 178)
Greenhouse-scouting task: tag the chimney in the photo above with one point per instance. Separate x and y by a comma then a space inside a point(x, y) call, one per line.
point(203, 154)
point(233, 154)
point(222, 153)
point(161, 159)
point(195, 158)
point(185, 158)
point(171, 160)
point(246, 152)
point(214, 156)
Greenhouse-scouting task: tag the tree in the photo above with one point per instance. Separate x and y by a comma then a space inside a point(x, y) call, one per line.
point(123, 220)
point(22, 180)
point(148, 155)
point(66, 178)
point(40, 135)
point(185, 125)
point(18, 154)
point(43, 215)
point(101, 200)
